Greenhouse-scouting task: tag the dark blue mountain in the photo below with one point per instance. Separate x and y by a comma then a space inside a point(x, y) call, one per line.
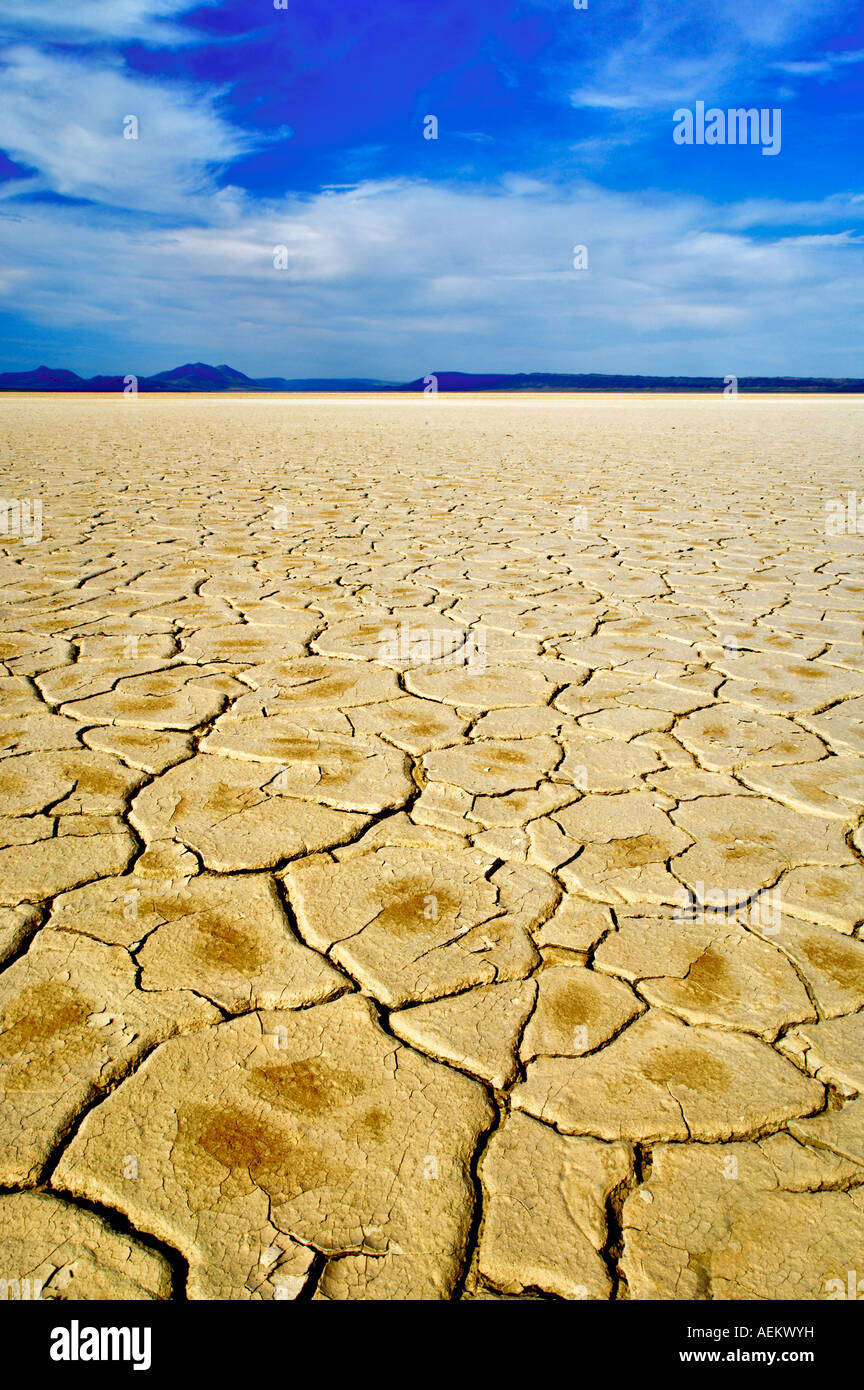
point(595, 381)
point(200, 376)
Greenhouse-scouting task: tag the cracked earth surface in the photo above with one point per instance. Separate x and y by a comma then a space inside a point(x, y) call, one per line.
point(413, 887)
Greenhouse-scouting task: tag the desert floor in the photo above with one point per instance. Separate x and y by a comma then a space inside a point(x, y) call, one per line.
point(432, 856)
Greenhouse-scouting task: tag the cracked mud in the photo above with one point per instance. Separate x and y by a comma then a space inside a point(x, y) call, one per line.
point(410, 889)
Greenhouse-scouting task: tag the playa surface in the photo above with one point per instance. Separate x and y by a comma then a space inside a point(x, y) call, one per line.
point(431, 849)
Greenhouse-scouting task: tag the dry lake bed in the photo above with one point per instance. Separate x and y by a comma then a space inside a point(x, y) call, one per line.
point(431, 848)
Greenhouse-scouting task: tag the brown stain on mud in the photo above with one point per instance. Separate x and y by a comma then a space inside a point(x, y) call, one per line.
point(98, 781)
point(274, 1157)
point(287, 1132)
point(229, 944)
point(328, 689)
point(573, 1003)
point(42, 1019)
point(843, 964)
point(222, 799)
point(413, 906)
point(693, 1067)
point(311, 1085)
point(507, 757)
point(12, 783)
point(827, 887)
point(710, 975)
point(635, 851)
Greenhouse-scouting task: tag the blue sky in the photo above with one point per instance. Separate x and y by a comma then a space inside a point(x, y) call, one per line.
point(302, 127)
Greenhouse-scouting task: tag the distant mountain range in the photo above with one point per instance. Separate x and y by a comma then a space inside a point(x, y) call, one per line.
point(193, 376)
point(198, 376)
point(598, 381)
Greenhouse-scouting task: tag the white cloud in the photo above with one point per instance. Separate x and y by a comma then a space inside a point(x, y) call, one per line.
point(64, 117)
point(775, 212)
point(679, 52)
point(398, 278)
point(831, 63)
point(98, 21)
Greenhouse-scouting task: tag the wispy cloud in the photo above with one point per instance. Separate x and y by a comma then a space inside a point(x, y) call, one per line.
point(98, 21)
point(682, 51)
point(66, 116)
point(828, 65)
